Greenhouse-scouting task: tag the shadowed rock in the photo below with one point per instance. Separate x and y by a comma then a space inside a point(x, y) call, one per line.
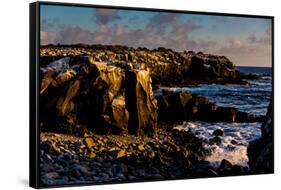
point(177, 106)
point(260, 151)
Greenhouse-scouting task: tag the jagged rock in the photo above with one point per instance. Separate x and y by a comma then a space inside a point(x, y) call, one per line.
point(64, 103)
point(172, 106)
point(120, 114)
point(140, 102)
point(175, 106)
point(225, 166)
point(89, 142)
point(260, 151)
point(167, 66)
point(100, 96)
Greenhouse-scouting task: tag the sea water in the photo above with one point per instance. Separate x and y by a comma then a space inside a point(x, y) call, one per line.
point(253, 98)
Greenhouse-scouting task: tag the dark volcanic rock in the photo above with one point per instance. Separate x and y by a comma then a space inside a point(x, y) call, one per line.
point(174, 106)
point(167, 67)
point(260, 151)
point(79, 91)
point(218, 132)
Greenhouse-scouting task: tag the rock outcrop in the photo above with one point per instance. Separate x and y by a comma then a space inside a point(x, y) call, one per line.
point(141, 103)
point(178, 106)
point(79, 91)
point(260, 151)
point(166, 66)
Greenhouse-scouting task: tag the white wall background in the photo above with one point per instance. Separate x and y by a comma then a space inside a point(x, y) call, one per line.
point(14, 79)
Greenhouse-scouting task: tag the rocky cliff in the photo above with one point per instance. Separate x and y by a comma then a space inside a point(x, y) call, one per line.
point(109, 89)
point(166, 66)
point(79, 93)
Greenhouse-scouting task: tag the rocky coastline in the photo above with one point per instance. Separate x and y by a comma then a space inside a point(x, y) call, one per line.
point(100, 120)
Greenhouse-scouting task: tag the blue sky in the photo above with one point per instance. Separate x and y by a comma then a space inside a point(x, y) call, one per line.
point(246, 41)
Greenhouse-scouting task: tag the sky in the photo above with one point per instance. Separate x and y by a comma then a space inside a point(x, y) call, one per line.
point(245, 41)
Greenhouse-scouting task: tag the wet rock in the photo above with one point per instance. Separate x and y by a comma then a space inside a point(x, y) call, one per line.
point(260, 151)
point(218, 132)
point(234, 142)
point(175, 106)
point(216, 140)
point(225, 166)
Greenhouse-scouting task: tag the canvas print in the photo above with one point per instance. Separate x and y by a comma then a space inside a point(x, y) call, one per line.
point(140, 95)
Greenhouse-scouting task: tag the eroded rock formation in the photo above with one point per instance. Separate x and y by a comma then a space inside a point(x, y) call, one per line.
point(77, 92)
point(175, 106)
point(166, 66)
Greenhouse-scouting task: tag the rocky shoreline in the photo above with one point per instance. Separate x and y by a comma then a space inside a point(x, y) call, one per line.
point(113, 158)
point(167, 67)
point(101, 121)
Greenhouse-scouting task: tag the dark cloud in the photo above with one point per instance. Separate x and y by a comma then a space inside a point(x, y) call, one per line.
point(104, 16)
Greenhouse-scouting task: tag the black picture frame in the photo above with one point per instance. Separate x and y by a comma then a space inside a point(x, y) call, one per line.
point(34, 36)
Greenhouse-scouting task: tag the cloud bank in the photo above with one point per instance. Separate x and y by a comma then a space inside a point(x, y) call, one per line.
point(167, 30)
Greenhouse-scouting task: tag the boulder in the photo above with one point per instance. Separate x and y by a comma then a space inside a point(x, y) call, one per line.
point(218, 132)
point(172, 106)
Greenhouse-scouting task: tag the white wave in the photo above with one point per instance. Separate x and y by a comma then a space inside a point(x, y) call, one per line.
point(241, 133)
point(185, 126)
point(238, 156)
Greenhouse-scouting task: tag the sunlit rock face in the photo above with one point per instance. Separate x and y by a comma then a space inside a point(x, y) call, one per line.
point(141, 103)
point(108, 89)
point(166, 66)
point(82, 93)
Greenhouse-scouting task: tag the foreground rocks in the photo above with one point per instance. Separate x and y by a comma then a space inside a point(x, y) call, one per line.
point(260, 151)
point(79, 93)
point(95, 158)
point(175, 106)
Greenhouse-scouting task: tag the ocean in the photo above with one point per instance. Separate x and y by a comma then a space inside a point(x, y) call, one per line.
point(253, 98)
